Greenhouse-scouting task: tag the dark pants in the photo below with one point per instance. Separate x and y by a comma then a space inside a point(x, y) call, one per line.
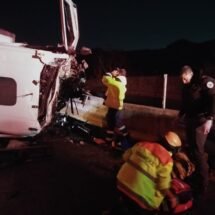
point(196, 140)
point(115, 125)
point(114, 118)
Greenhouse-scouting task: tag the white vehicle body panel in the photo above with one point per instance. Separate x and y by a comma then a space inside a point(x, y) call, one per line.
point(25, 68)
point(35, 77)
point(18, 63)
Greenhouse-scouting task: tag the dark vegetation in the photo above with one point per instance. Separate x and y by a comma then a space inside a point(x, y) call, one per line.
point(146, 69)
point(155, 62)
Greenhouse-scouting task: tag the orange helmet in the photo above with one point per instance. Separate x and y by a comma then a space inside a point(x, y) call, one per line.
point(172, 139)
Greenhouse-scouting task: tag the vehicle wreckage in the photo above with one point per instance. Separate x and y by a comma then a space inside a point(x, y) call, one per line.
point(34, 82)
point(33, 79)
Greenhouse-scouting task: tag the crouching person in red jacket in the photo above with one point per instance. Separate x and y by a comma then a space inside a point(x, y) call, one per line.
point(144, 179)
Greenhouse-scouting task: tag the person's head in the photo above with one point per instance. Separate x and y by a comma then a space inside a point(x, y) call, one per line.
point(121, 75)
point(122, 71)
point(171, 142)
point(119, 71)
point(115, 72)
point(186, 74)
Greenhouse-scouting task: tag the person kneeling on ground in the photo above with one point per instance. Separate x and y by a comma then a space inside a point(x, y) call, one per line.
point(144, 179)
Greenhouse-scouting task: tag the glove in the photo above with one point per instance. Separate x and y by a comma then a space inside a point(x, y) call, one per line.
point(207, 126)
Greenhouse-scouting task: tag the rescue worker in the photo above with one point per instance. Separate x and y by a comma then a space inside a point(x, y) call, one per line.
point(144, 179)
point(115, 94)
point(198, 112)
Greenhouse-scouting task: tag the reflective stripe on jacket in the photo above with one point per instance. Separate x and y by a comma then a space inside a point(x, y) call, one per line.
point(115, 93)
point(145, 173)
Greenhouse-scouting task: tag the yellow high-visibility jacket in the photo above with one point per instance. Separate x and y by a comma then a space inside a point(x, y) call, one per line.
point(145, 173)
point(115, 93)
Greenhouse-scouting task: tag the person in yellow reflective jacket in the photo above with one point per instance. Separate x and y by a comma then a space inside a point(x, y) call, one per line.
point(144, 179)
point(115, 94)
point(116, 89)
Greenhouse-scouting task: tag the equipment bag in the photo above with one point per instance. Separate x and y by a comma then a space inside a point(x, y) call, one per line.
point(183, 192)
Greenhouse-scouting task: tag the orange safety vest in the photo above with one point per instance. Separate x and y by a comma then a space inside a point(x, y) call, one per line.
point(145, 173)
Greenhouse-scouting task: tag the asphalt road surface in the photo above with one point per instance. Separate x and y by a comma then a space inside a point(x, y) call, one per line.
point(67, 178)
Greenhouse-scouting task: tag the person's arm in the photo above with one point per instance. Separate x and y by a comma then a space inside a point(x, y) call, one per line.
point(164, 183)
point(109, 80)
point(127, 154)
point(183, 106)
point(207, 126)
point(210, 91)
point(211, 112)
point(170, 197)
point(106, 79)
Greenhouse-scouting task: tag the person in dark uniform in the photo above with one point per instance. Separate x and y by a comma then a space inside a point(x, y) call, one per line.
point(198, 112)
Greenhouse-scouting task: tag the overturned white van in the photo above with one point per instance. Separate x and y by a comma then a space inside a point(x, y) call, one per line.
point(29, 76)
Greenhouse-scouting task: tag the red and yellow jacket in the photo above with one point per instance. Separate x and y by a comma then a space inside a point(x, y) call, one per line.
point(145, 173)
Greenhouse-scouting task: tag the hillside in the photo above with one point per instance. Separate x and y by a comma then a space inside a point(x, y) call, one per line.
point(153, 62)
point(146, 69)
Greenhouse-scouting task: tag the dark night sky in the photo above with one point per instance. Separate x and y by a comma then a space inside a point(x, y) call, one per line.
point(143, 24)
point(114, 24)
